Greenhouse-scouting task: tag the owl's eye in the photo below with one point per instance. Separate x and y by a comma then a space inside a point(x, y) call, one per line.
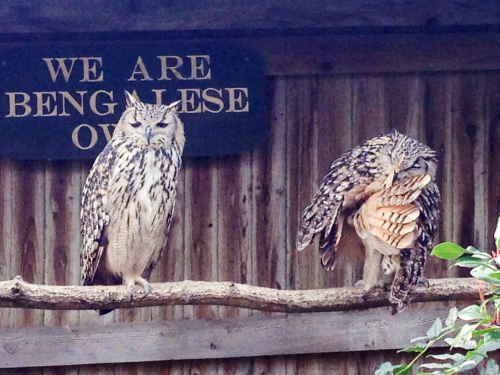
point(135, 124)
point(162, 124)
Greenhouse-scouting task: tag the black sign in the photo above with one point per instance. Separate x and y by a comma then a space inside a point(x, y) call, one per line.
point(61, 102)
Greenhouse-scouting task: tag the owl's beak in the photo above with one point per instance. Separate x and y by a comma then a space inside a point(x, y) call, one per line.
point(148, 133)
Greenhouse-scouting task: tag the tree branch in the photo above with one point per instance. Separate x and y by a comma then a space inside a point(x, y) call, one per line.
point(20, 294)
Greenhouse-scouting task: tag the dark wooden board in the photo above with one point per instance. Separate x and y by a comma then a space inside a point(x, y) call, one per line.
point(131, 15)
point(371, 329)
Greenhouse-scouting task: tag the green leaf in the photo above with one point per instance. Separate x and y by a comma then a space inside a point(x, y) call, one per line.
point(483, 331)
point(421, 338)
point(491, 368)
point(491, 342)
point(402, 370)
point(483, 273)
point(435, 365)
point(466, 344)
point(435, 329)
point(493, 336)
point(473, 353)
point(452, 317)
point(468, 365)
point(495, 275)
point(463, 338)
point(386, 368)
point(471, 261)
point(454, 357)
point(448, 250)
point(413, 349)
point(473, 250)
point(472, 312)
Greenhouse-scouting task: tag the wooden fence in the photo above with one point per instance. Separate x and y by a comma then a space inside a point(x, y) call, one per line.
point(236, 216)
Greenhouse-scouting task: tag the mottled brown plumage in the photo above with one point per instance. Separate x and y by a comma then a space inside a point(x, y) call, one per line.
point(128, 198)
point(386, 189)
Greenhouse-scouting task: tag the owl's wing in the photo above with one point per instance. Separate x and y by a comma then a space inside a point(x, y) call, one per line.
point(413, 259)
point(339, 192)
point(93, 215)
point(326, 213)
point(391, 214)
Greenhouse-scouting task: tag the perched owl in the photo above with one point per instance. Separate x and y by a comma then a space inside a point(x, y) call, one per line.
point(128, 198)
point(386, 189)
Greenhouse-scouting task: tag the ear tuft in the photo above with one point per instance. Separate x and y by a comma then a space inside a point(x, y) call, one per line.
point(175, 106)
point(131, 100)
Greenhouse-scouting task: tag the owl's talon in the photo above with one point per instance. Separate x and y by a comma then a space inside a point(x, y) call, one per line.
point(131, 290)
point(145, 286)
point(359, 283)
point(364, 294)
point(423, 281)
point(147, 290)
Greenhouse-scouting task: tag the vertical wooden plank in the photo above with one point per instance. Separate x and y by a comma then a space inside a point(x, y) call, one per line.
point(456, 126)
point(302, 174)
point(437, 120)
point(492, 119)
point(201, 242)
point(405, 96)
point(234, 236)
point(6, 175)
point(369, 108)
point(270, 253)
point(469, 159)
point(63, 188)
point(27, 233)
point(234, 230)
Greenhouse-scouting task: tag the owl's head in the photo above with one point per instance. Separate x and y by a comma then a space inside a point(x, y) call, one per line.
point(412, 157)
point(150, 124)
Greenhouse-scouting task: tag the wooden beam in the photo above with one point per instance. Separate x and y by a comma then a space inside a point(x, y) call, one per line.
point(397, 53)
point(332, 54)
point(373, 329)
point(127, 15)
point(20, 294)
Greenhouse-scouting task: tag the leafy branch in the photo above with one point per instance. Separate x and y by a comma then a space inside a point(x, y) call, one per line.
point(476, 328)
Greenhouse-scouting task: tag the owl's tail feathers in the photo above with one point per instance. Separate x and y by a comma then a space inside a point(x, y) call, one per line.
point(407, 277)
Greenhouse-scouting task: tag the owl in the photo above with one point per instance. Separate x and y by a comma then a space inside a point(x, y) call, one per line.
point(128, 198)
point(385, 188)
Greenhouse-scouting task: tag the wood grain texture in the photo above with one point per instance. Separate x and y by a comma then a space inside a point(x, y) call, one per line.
point(271, 255)
point(62, 232)
point(27, 231)
point(492, 114)
point(89, 16)
point(302, 175)
point(198, 339)
point(376, 53)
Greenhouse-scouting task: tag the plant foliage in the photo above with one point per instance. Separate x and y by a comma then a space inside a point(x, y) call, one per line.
point(476, 328)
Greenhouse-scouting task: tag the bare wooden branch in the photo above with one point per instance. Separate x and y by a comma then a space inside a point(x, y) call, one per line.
point(20, 294)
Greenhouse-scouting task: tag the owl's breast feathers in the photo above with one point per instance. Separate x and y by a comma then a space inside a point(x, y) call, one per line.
point(128, 201)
